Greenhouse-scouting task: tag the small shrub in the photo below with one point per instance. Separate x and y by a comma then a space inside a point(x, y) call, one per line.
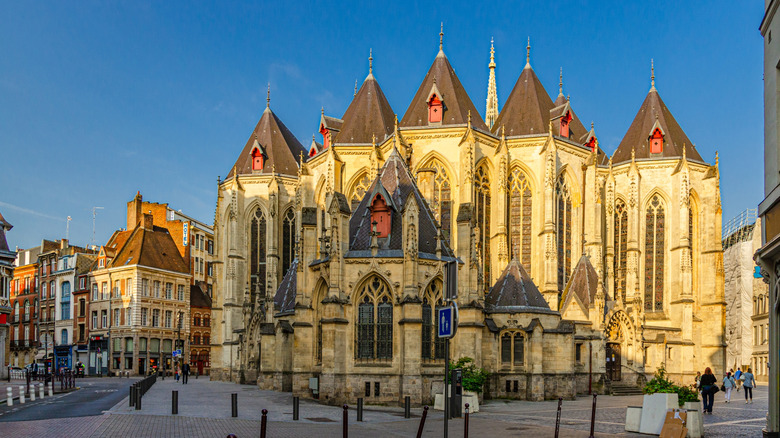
point(473, 378)
point(660, 383)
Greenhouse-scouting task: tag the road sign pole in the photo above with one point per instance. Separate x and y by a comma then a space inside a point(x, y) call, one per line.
point(446, 385)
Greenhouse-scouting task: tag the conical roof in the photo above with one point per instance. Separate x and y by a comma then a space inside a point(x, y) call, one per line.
point(396, 185)
point(367, 116)
point(652, 111)
point(527, 109)
point(279, 145)
point(584, 283)
point(515, 292)
point(457, 103)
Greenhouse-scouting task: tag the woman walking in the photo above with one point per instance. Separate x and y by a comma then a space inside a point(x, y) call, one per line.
point(707, 382)
point(728, 384)
point(748, 382)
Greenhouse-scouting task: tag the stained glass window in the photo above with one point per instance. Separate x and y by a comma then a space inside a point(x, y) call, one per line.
point(693, 242)
point(654, 255)
point(520, 209)
point(257, 253)
point(621, 238)
point(563, 231)
point(361, 186)
point(375, 336)
point(432, 345)
point(288, 240)
point(506, 348)
point(518, 353)
point(482, 197)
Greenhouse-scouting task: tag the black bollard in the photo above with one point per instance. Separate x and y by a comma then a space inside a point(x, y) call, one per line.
point(296, 407)
point(593, 417)
point(558, 417)
point(138, 396)
point(466, 423)
point(422, 422)
point(132, 395)
point(27, 378)
point(360, 409)
point(263, 423)
point(234, 404)
point(345, 432)
point(407, 407)
point(174, 402)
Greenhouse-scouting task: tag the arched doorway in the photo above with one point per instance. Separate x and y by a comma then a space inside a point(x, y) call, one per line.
point(619, 341)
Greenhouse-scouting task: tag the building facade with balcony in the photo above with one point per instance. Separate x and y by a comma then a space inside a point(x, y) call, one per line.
point(24, 304)
point(7, 258)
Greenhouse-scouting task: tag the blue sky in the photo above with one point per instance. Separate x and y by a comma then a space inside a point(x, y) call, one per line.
point(102, 99)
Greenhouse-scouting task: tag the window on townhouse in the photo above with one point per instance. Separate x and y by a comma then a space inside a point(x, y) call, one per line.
point(145, 287)
point(82, 283)
point(43, 291)
point(82, 332)
point(82, 307)
point(196, 320)
point(206, 321)
point(117, 314)
point(94, 291)
point(155, 317)
point(168, 318)
point(144, 316)
point(117, 289)
point(206, 339)
point(103, 319)
point(168, 291)
point(129, 287)
point(180, 292)
point(104, 291)
point(156, 289)
point(128, 316)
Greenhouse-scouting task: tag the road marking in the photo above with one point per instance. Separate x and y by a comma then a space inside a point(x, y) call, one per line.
point(735, 422)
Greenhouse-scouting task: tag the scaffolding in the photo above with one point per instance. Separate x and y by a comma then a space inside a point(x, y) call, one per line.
point(740, 228)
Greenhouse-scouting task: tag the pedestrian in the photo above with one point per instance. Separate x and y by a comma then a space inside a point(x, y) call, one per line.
point(176, 373)
point(708, 389)
point(698, 380)
point(185, 369)
point(728, 384)
point(748, 382)
point(738, 378)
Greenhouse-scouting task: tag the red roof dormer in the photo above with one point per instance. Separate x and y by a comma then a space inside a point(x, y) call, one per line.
point(258, 158)
point(565, 121)
point(380, 215)
point(657, 141)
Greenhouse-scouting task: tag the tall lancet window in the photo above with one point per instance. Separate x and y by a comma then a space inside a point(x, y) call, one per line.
point(257, 251)
point(432, 345)
point(361, 186)
point(374, 334)
point(482, 198)
point(441, 204)
point(654, 256)
point(563, 230)
point(621, 239)
point(288, 240)
point(520, 209)
point(694, 242)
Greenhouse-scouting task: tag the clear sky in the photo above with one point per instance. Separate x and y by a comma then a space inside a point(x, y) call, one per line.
point(100, 99)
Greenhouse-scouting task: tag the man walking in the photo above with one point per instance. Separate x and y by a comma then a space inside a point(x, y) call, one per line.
point(738, 378)
point(185, 373)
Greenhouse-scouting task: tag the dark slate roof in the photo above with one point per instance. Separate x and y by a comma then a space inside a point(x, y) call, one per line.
point(4, 223)
point(527, 109)
point(154, 248)
point(84, 262)
point(198, 298)
point(457, 103)
point(329, 122)
point(395, 182)
point(284, 300)
point(515, 292)
point(280, 146)
point(4, 226)
point(584, 283)
point(367, 116)
point(654, 109)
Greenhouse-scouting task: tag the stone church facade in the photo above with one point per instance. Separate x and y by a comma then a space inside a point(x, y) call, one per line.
point(576, 270)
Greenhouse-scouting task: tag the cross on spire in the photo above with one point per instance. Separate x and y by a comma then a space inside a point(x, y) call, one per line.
point(652, 75)
point(528, 54)
point(268, 97)
point(560, 83)
point(441, 37)
point(370, 61)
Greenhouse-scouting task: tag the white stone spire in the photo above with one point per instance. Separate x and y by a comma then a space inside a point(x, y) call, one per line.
point(491, 109)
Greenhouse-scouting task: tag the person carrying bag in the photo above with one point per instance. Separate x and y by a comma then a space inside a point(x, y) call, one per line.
point(709, 387)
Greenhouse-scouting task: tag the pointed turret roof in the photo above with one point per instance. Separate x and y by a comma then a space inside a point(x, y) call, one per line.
point(367, 116)
point(515, 292)
point(396, 185)
point(4, 226)
point(278, 144)
point(457, 103)
point(527, 109)
point(654, 113)
point(584, 283)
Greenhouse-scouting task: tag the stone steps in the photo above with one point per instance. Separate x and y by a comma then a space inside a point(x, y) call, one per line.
point(619, 390)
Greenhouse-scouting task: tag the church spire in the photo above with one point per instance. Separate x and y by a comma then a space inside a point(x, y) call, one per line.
point(491, 110)
point(560, 84)
point(370, 61)
point(528, 54)
point(441, 38)
point(268, 97)
point(652, 76)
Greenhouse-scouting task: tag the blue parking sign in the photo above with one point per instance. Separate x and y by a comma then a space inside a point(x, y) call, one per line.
point(445, 322)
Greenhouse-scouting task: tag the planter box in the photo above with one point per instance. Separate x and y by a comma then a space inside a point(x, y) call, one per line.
point(654, 407)
point(695, 423)
point(468, 397)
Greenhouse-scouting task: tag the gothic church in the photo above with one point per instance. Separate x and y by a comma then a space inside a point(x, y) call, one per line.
point(576, 269)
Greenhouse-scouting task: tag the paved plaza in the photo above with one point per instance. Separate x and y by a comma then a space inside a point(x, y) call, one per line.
point(205, 411)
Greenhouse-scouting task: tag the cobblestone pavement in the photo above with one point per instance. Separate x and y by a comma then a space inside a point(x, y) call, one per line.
point(204, 411)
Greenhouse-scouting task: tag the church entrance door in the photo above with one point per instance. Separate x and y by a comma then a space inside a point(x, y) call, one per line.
point(613, 361)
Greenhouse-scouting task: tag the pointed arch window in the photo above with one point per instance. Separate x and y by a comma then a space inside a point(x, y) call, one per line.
point(512, 348)
point(620, 242)
point(520, 210)
point(693, 240)
point(432, 345)
point(655, 228)
point(441, 202)
point(257, 253)
point(482, 198)
point(288, 240)
point(374, 334)
point(358, 191)
point(563, 230)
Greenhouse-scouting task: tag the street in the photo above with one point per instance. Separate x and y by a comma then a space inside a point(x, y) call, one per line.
point(94, 396)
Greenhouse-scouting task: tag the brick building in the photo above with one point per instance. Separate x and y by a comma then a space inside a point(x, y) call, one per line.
point(24, 304)
point(200, 328)
point(7, 258)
